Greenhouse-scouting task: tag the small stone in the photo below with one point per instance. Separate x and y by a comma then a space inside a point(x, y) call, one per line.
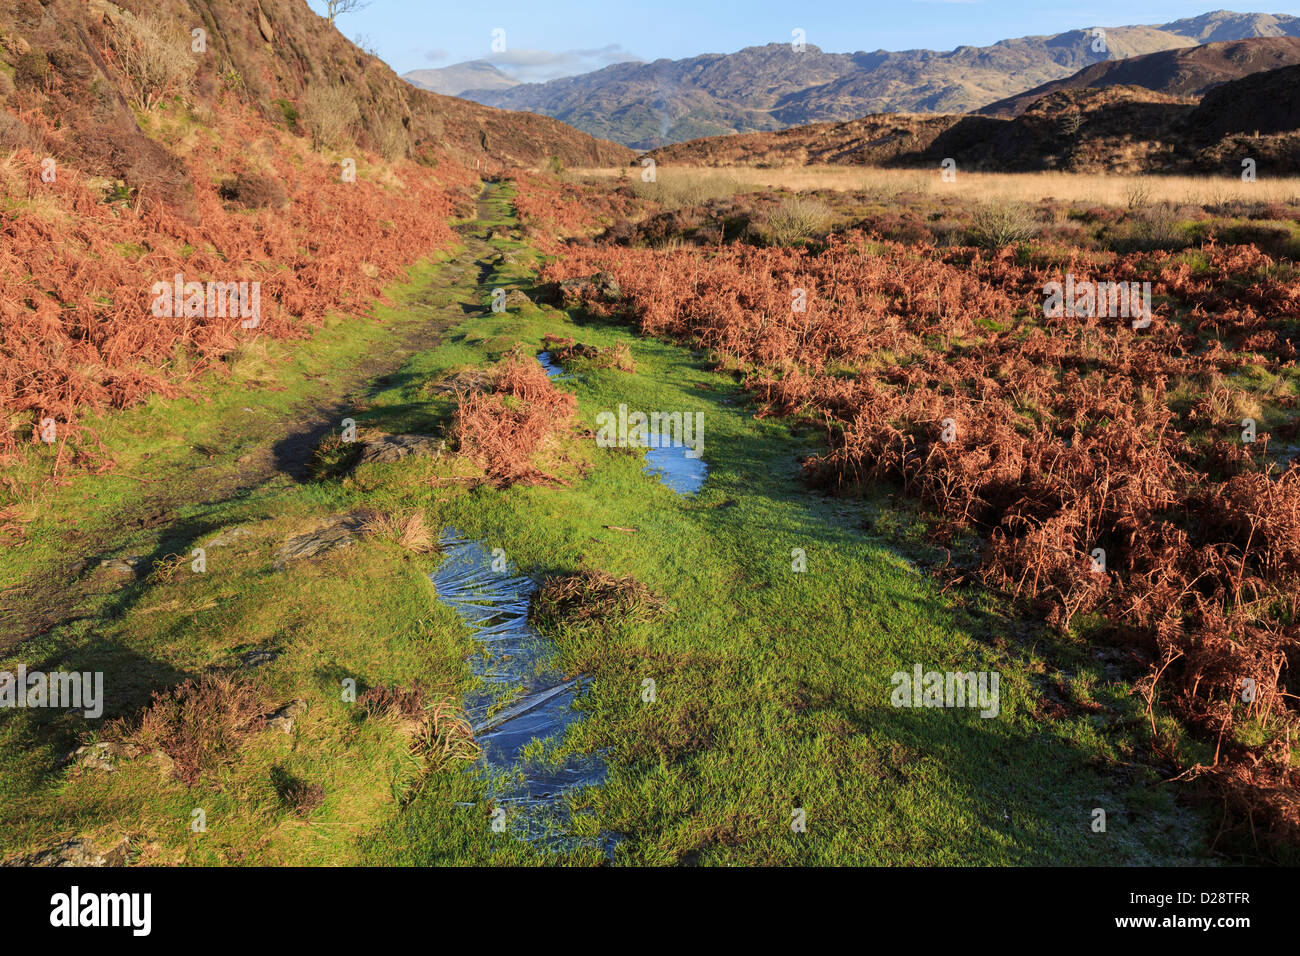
point(282, 719)
point(76, 852)
point(338, 532)
point(602, 285)
point(467, 380)
point(127, 567)
point(166, 765)
point(258, 656)
point(229, 537)
point(100, 756)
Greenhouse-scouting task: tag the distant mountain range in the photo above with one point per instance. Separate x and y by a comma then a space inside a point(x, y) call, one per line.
point(455, 80)
point(1104, 126)
point(773, 87)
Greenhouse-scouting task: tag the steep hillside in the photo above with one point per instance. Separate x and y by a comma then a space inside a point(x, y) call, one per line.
point(772, 87)
point(227, 142)
point(1264, 103)
point(265, 56)
point(1186, 72)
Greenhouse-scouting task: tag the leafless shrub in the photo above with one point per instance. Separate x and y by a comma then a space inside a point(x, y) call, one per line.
point(153, 56)
point(1137, 194)
point(390, 138)
point(200, 726)
point(330, 111)
point(335, 7)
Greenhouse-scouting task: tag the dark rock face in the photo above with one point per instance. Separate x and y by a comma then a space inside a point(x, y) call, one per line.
point(1262, 103)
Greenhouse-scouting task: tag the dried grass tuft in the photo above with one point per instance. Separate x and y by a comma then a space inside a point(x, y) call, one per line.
point(591, 596)
point(409, 530)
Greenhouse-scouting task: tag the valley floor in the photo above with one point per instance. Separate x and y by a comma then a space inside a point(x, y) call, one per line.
point(772, 686)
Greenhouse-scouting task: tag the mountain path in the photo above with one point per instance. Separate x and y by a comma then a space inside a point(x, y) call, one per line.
point(279, 449)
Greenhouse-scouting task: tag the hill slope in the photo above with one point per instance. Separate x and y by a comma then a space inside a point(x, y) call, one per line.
point(772, 87)
point(1110, 129)
point(1184, 72)
point(210, 139)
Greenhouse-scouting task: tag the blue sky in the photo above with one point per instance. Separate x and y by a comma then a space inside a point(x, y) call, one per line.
point(549, 38)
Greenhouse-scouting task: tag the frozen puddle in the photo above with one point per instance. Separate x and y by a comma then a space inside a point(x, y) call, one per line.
point(674, 466)
point(522, 698)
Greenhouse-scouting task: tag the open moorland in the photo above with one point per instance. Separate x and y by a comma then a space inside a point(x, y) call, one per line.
point(559, 505)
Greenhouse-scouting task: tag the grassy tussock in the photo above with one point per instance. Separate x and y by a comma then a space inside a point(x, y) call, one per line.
point(575, 355)
point(795, 222)
point(202, 724)
point(408, 530)
point(439, 731)
point(592, 596)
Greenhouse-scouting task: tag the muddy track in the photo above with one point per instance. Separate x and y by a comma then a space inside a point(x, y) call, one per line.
point(281, 452)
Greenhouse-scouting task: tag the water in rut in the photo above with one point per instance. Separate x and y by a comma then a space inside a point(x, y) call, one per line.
point(676, 465)
point(523, 698)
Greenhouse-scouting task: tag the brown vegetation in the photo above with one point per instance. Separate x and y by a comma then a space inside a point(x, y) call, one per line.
point(503, 430)
point(201, 724)
point(592, 597)
point(937, 371)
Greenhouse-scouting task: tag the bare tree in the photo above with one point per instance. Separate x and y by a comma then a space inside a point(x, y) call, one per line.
point(335, 7)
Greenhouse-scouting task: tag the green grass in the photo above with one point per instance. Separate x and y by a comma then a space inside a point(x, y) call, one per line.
point(773, 686)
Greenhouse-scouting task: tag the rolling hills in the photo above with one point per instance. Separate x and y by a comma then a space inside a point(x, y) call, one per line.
point(772, 87)
point(1182, 72)
point(1110, 128)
